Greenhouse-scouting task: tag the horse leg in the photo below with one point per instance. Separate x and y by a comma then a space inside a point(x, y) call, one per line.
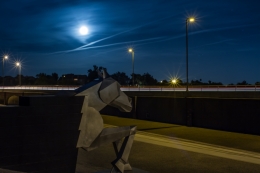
point(114, 135)
point(121, 162)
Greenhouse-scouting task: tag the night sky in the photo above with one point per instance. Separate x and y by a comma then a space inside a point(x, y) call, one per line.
point(224, 40)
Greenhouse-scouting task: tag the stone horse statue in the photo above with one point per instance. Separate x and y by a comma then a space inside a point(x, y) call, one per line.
point(98, 94)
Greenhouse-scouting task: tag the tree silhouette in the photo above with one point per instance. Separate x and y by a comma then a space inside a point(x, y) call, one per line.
point(55, 77)
point(242, 83)
point(148, 79)
point(121, 78)
point(41, 79)
point(93, 74)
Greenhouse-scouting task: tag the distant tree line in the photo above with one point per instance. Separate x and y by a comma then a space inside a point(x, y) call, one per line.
point(145, 79)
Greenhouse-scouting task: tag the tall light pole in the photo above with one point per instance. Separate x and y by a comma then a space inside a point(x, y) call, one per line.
point(188, 20)
point(19, 65)
point(4, 58)
point(133, 60)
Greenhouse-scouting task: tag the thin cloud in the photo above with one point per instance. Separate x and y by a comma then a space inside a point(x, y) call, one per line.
point(109, 37)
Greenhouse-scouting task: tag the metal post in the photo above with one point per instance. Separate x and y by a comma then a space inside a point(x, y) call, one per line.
point(187, 80)
point(20, 74)
point(188, 114)
point(133, 59)
point(3, 73)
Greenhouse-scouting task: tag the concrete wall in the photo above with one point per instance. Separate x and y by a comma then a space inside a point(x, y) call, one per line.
point(236, 115)
point(7, 93)
point(161, 109)
point(40, 135)
point(195, 94)
point(6, 96)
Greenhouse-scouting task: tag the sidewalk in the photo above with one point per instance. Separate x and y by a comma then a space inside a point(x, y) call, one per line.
point(161, 147)
point(209, 136)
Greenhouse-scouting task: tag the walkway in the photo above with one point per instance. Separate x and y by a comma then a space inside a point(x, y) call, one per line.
point(161, 147)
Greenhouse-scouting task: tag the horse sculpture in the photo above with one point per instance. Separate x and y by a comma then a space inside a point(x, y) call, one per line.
point(98, 94)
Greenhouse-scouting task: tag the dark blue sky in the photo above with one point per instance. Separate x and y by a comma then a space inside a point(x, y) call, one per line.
point(223, 42)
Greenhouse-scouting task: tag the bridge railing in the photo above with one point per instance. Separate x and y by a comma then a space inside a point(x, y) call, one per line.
point(36, 87)
point(205, 88)
point(234, 88)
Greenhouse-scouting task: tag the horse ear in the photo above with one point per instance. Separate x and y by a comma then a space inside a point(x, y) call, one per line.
point(99, 73)
point(105, 74)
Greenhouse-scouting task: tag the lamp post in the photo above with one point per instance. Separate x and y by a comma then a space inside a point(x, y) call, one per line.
point(18, 64)
point(188, 20)
point(4, 58)
point(133, 60)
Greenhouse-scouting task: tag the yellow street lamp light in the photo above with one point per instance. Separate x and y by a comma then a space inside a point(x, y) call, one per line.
point(191, 19)
point(174, 83)
point(18, 64)
point(4, 59)
point(133, 60)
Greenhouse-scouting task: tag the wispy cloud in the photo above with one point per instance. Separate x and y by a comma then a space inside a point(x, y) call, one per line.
point(86, 46)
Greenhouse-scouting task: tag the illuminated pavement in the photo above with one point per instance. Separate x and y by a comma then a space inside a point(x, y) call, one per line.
point(214, 150)
point(161, 147)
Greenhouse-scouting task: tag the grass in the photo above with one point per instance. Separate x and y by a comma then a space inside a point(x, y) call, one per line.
point(216, 137)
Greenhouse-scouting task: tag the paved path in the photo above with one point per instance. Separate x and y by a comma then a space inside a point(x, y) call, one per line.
point(156, 152)
point(198, 147)
point(203, 148)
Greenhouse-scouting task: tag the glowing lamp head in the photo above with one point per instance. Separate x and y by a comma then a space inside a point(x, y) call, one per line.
point(130, 50)
point(17, 64)
point(191, 19)
point(83, 30)
point(174, 81)
point(5, 57)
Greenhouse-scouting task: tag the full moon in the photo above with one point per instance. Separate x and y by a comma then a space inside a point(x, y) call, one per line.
point(83, 30)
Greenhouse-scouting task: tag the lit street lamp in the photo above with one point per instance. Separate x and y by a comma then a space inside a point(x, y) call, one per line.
point(188, 20)
point(174, 82)
point(18, 64)
point(133, 60)
point(4, 58)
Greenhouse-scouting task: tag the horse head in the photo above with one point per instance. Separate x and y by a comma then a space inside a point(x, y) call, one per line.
point(105, 91)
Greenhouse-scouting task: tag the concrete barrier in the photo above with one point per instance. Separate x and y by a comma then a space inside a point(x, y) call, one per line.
point(228, 114)
point(40, 134)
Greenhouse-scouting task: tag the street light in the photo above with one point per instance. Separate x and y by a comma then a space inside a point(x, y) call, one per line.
point(188, 20)
point(133, 59)
point(4, 58)
point(174, 82)
point(18, 64)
